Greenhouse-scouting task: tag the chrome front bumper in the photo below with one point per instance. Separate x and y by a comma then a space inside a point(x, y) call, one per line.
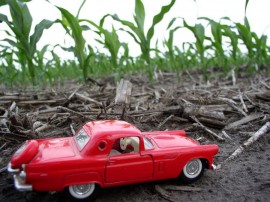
point(19, 179)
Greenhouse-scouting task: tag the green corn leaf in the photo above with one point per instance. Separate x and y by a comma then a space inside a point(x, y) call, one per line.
point(126, 50)
point(246, 4)
point(111, 40)
point(44, 24)
point(5, 52)
point(11, 42)
point(139, 16)
point(137, 30)
point(8, 33)
point(225, 18)
point(260, 44)
point(4, 18)
point(199, 33)
point(233, 38)
point(131, 26)
point(5, 2)
point(132, 35)
point(247, 24)
point(169, 42)
point(217, 35)
point(171, 23)
point(85, 28)
point(197, 30)
point(158, 18)
point(73, 23)
point(245, 35)
point(99, 41)
point(21, 19)
point(80, 8)
point(101, 22)
point(136, 33)
point(44, 49)
point(70, 21)
point(69, 49)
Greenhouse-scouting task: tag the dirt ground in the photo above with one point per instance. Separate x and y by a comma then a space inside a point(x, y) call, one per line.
point(170, 103)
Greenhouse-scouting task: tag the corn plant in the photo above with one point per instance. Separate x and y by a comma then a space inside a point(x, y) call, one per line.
point(171, 50)
point(233, 36)
point(137, 30)
point(82, 51)
point(217, 42)
point(8, 71)
point(25, 43)
point(245, 35)
point(110, 41)
point(72, 26)
point(260, 45)
point(199, 33)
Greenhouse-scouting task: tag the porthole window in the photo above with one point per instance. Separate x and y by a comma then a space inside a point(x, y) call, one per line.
point(102, 145)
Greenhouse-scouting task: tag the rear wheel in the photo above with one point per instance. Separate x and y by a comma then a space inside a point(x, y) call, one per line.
point(192, 171)
point(83, 192)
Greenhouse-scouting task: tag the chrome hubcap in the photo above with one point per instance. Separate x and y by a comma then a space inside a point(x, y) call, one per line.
point(82, 189)
point(193, 167)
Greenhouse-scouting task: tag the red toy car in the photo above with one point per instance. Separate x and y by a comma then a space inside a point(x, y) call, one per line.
point(105, 154)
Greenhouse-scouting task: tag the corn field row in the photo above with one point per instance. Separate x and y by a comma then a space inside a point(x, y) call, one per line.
point(21, 63)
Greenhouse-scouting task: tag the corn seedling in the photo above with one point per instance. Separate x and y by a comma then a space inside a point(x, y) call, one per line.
point(137, 32)
point(110, 39)
point(20, 26)
point(72, 26)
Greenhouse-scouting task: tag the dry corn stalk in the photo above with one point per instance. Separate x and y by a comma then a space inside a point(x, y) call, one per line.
point(263, 130)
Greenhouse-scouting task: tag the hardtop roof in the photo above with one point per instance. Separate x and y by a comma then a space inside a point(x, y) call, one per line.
point(108, 127)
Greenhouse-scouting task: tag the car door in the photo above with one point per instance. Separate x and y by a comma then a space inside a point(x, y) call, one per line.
point(131, 166)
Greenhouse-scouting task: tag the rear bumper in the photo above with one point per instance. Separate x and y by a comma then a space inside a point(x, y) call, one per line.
point(20, 185)
point(11, 170)
point(19, 179)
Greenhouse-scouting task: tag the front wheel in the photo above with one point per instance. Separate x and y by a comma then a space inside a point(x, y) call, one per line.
point(192, 171)
point(83, 192)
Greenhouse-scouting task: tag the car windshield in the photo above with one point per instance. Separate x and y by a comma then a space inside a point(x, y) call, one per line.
point(82, 138)
point(147, 143)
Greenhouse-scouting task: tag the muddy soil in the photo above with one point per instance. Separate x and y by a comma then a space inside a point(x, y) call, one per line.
point(151, 106)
